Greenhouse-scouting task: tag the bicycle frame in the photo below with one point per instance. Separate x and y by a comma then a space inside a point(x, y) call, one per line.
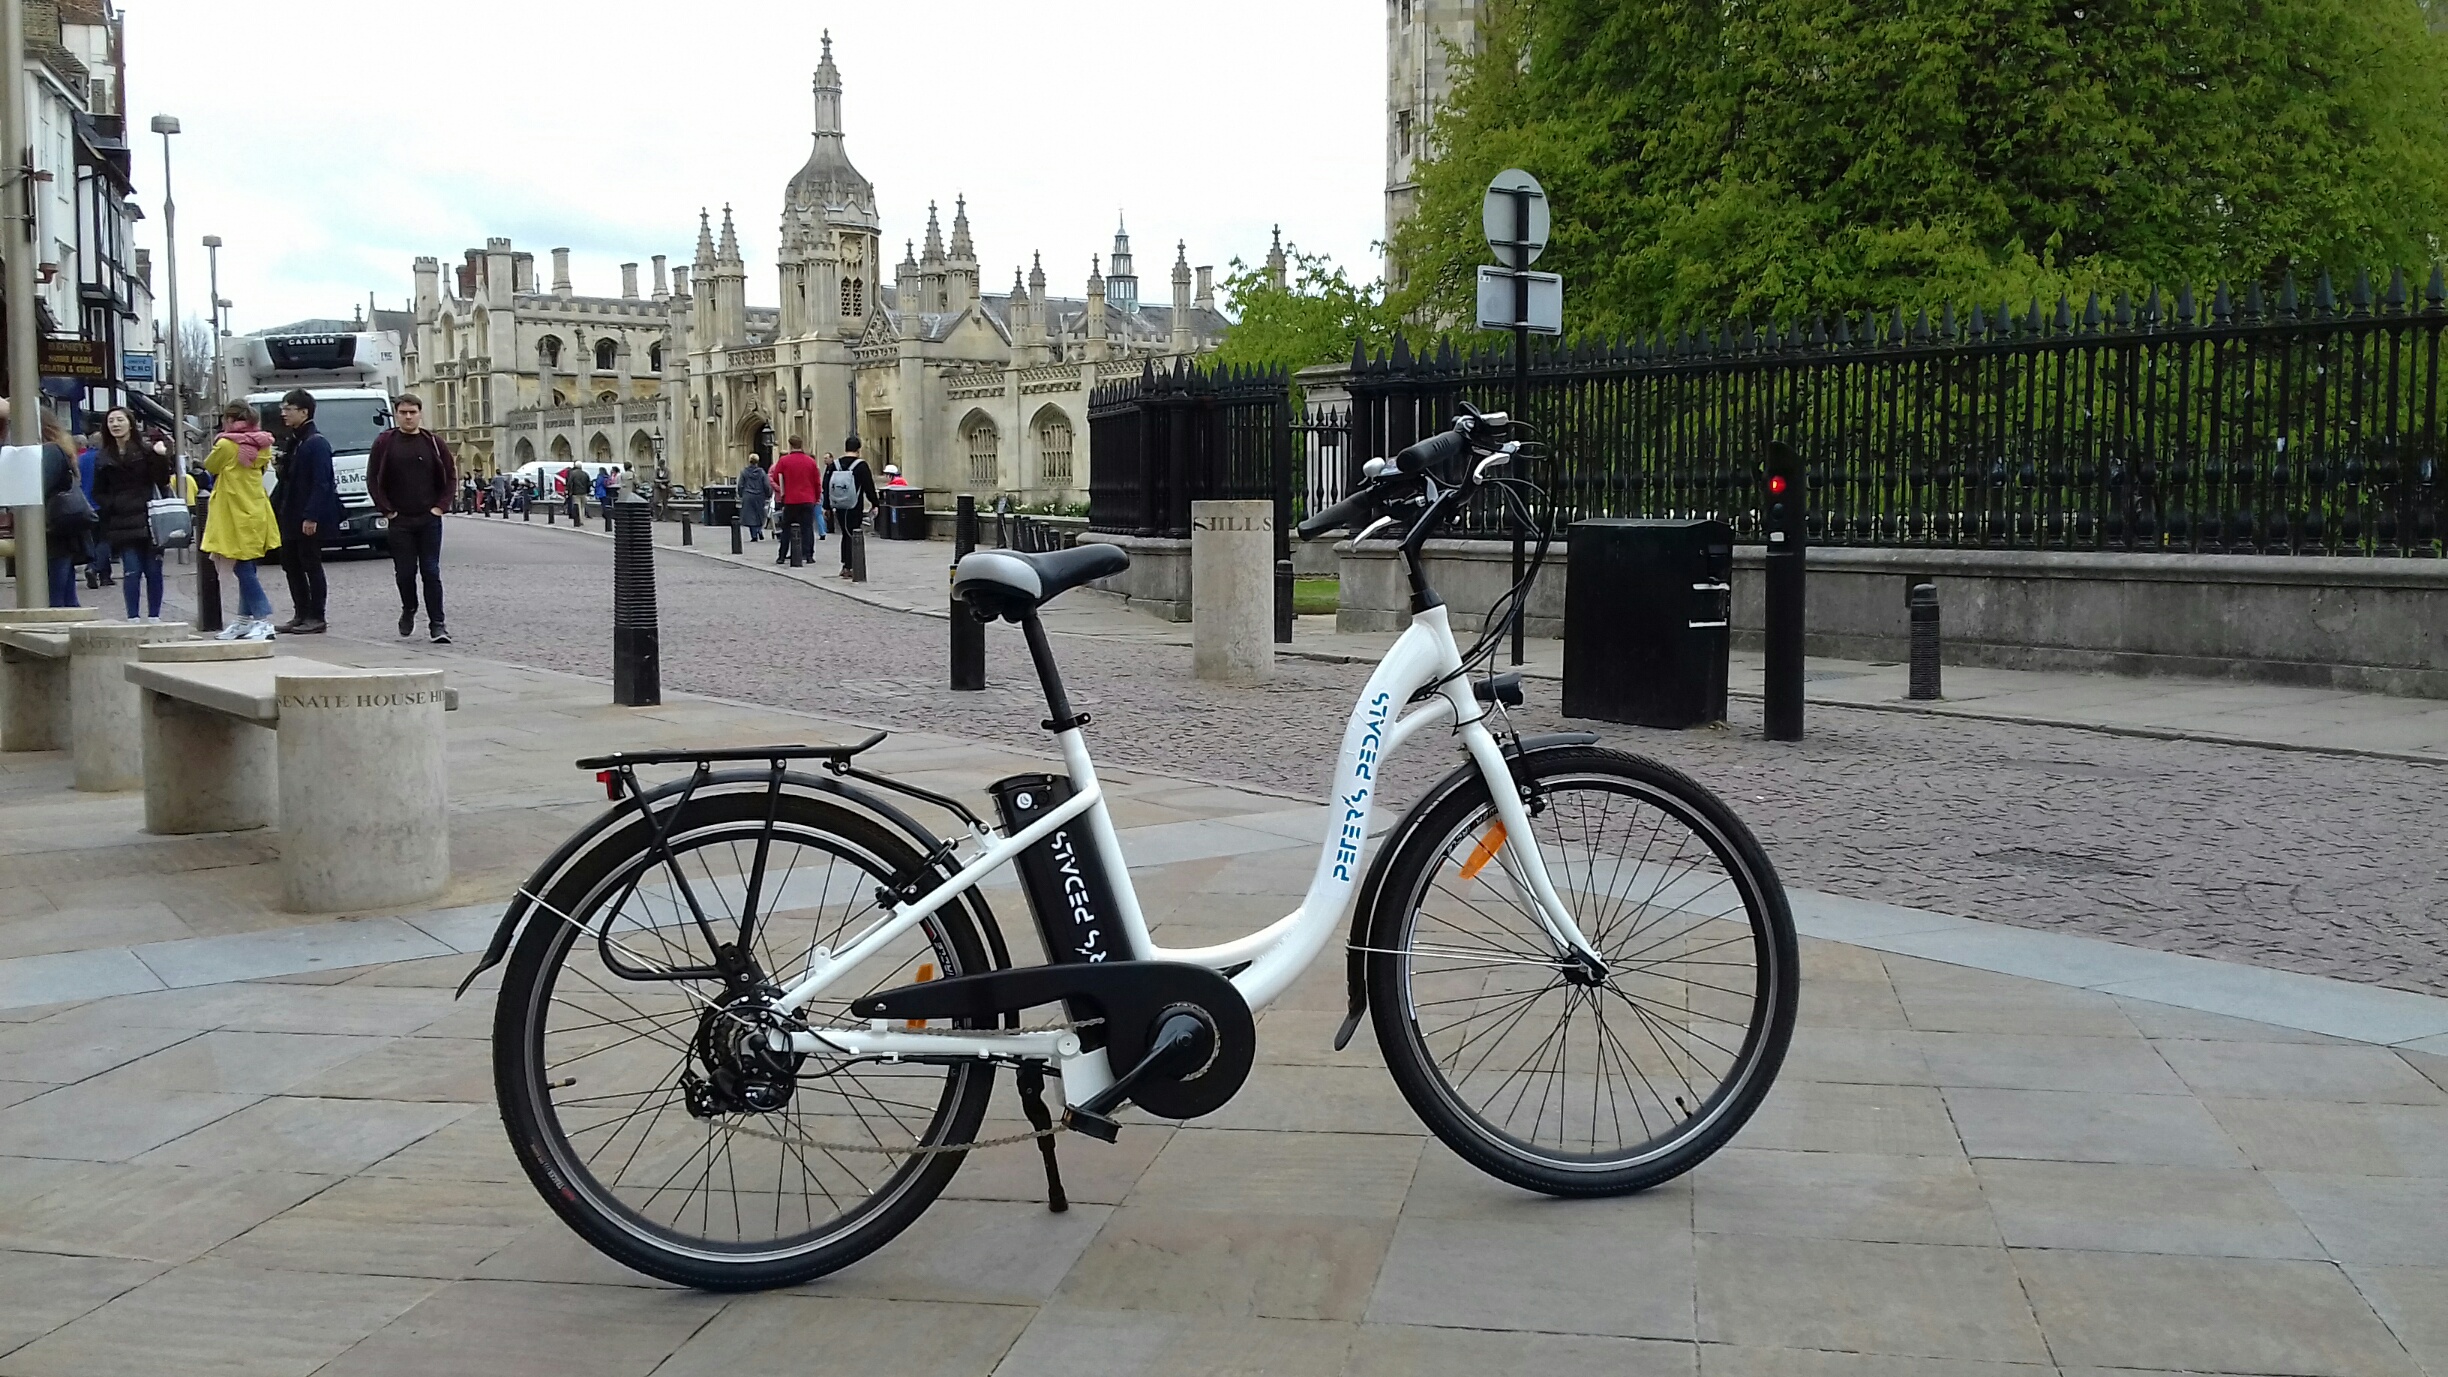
point(1272, 957)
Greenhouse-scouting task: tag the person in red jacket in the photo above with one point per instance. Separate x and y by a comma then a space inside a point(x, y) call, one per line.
point(797, 479)
point(410, 477)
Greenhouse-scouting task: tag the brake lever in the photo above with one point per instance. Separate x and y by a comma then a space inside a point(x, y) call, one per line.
point(1373, 528)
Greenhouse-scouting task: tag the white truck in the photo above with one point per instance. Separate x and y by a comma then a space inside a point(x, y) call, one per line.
point(352, 378)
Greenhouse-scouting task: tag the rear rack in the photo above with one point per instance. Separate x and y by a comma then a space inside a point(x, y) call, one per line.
point(837, 756)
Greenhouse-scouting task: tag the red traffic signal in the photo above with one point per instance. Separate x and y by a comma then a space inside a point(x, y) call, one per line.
point(1776, 483)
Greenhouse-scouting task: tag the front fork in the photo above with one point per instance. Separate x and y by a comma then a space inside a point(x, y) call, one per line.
point(1526, 865)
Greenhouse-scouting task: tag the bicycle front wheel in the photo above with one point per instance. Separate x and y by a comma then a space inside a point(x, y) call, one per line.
point(1541, 1072)
point(641, 1109)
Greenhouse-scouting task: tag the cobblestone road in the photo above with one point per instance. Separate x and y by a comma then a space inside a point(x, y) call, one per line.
point(2312, 863)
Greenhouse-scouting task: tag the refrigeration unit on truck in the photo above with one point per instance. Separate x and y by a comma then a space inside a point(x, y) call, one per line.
point(352, 378)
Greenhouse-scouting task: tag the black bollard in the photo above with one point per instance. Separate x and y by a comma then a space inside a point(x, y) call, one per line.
point(606, 509)
point(735, 540)
point(968, 633)
point(548, 515)
point(1787, 499)
point(208, 579)
point(526, 511)
point(637, 676)
point(1924, 642)
point(685, 537)
point(856, 541)
point(1283, 602)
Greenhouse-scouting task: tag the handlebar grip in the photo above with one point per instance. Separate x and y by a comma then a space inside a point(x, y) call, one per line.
point(1344, 513)
point(1435, 450)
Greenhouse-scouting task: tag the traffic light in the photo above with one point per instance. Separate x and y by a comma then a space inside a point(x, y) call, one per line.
point(1783, 511)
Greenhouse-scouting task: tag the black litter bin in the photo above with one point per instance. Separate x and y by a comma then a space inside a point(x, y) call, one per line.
point(721, 502)
point(1645, 611)
point(904, 516)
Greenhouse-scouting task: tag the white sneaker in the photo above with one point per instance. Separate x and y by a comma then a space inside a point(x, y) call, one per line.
point(259, 630)
point(231, 631)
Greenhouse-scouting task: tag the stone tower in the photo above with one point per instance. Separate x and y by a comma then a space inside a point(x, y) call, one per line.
point(833, 265)
point(1421, 36)
point(1121, 284)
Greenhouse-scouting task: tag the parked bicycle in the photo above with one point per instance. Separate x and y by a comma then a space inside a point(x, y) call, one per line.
point(751, 1017)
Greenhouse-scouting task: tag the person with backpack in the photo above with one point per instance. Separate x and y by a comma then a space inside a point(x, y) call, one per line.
point(98, 568)
point(410, 477)
point(68, 515)
point(307, 502)
point(849, 491)
point(799, 479)
point(129, 475)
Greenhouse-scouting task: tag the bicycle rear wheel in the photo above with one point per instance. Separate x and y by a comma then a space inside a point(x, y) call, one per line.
point(623, 1082)
point(1532, 1068)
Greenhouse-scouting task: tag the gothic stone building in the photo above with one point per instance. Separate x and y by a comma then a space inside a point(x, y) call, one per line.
point(511, 373)
point(966, 391)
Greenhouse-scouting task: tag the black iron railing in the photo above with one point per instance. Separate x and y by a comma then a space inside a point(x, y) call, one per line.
point(1178, 435)
point(2285, 425)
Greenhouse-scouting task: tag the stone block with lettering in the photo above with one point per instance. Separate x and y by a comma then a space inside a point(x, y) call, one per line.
point(364, 797)
point(1232, 591)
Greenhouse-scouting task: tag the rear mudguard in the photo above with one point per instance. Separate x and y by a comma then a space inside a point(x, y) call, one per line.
point(1462, 776)
point(883, 810)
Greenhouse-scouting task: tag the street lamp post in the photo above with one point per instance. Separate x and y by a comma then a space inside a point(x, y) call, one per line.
point(212, 256)
point(166, 125)
point(17, 245)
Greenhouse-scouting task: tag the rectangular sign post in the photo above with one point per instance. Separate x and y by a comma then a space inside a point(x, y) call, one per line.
point(1511, 297)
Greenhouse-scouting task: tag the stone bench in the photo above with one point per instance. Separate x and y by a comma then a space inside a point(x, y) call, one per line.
point(349, 763)
point(63, 687)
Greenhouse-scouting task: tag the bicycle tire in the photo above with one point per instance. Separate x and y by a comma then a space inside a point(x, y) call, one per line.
point(729, 816)
point(1426, 851)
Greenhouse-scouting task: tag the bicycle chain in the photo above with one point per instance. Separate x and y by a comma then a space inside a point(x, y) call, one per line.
point(923, 1149)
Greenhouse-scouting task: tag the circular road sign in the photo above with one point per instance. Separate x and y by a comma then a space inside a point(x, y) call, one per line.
point(1499, 216)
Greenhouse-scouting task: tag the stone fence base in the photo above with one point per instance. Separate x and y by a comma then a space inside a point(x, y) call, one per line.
point(2376, 625)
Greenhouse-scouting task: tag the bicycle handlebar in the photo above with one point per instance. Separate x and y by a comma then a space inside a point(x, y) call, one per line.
point(1435, 450)
point(1344, 513)
point(1438, 450)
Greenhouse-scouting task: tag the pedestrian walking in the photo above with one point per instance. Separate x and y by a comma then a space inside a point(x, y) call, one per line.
point(799, 478)
point(128, 476)
point(849, 491)
point(68, 514)
point(755, 494)
point(501, 494)
point(241, 529)
point(603, 490)
point(307, 503)
point(98, 546)
point(573, 481)
point(410, 476)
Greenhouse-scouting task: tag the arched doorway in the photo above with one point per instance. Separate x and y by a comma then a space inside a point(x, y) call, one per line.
point(525, 453)
point(757, 437)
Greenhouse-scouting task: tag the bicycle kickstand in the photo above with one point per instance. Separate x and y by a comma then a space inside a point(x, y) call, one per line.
point(1031, 1083)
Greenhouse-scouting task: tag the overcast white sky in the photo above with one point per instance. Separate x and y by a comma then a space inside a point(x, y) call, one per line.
point(329, 143)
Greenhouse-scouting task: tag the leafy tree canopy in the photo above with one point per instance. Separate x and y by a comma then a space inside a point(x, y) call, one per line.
point(1775, 158)
point(1314, 315)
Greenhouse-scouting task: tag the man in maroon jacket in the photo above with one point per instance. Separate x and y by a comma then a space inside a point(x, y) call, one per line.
point(410, 478)
point(797, 478)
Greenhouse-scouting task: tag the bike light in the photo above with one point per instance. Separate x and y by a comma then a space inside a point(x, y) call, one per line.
point(1776, 484)
point(610, 783)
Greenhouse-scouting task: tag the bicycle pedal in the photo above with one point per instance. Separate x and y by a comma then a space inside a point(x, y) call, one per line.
point(1093, 1124)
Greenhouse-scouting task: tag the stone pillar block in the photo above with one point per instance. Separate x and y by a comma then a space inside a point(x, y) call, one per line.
point(33, 701)
point(105, 725)
point(364, 801)
point(206, 771)
point(1232, 591)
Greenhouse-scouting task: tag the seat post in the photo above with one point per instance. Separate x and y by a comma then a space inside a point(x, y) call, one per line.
point(1049, 676)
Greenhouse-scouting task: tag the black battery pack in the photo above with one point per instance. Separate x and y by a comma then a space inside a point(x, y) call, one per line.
point(1063, 876)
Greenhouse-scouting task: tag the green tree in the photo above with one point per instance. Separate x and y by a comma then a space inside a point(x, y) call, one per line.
point(1783, 157)
point(1314, 315)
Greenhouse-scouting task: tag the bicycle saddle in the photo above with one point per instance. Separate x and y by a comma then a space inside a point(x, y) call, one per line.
point(1008, 583)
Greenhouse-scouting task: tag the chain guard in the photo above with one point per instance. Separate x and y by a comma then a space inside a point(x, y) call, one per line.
point(1132, 996)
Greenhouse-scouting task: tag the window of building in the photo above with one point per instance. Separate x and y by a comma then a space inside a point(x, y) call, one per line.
point(654, 356)
point(1402, 131)
point(607, 396)
point(1054, 449)
point(1406, 13)
point(548, 349)
point(845, 296)
point(607, 353)
point(858, 296)
point(982, 465)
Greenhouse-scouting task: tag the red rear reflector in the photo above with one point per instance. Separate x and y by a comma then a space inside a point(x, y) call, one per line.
point(1776, 482)
point(610, 783)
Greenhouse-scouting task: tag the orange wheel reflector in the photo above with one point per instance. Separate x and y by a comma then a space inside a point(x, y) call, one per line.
point(926, 972)
point(1490, 842)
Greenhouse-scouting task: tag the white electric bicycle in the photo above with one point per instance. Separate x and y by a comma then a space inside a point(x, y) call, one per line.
point(751, 1017)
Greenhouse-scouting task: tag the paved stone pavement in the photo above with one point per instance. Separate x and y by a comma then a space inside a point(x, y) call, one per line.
point(2304, 861)
point(1960, 1172)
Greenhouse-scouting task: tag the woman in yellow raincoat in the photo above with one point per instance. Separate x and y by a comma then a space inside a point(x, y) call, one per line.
point(240, 529)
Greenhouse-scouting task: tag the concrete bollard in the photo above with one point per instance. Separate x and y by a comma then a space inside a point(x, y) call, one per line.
point(105, 726)
point(1924, 606)
point(205, 771)
point(34, 688)
point(364, 798)
point(1232, 591)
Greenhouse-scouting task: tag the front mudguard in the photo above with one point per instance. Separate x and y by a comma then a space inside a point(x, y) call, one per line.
point(1365, 907)
point(522, 905)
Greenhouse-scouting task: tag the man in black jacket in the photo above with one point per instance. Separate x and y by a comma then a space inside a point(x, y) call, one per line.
point(410, 478)
point(306, 502)
point(849, 490)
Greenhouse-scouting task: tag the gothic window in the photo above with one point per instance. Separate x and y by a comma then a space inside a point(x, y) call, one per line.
point(607, 396)
point(1054, 448)
point(654, 356)
point(1402, 131)
point(548, 349)
point(606, 353)
point(858, 296)
point(982, 442)
point(845, 295)
point(1406, 13)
